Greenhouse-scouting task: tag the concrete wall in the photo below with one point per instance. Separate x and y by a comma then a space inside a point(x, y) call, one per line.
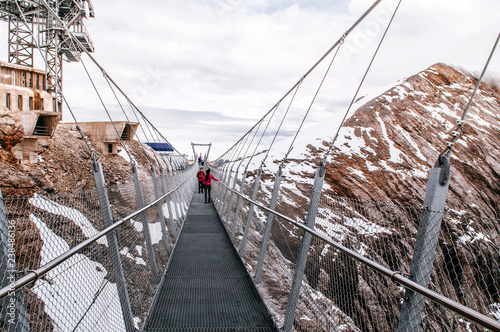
point(104, 135)
point(41, 100)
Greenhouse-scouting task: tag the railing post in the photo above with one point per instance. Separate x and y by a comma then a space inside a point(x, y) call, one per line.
point(176, 198)
point(114, 250)
point(177, 194)
point(227, 179)
point(14, 313)
point(250, 212)
point(180, 194)
point(185, 191)
point(300, 266)
point(224, 193)
point(145, 226)
point(231, 197)
point(269, 222)
point(168, 199)
point(224, 202)
point(218, 199)
point(238, 203)
point(160, 211)
point(429, 227)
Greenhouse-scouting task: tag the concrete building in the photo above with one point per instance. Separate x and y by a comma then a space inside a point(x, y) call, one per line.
point(105, 137)
point(23, 94)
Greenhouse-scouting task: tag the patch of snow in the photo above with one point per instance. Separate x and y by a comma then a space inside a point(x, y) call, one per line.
point(138, 260)
point(348, 143)
point(400, 90)
point(412, 143)
point(461, 141)
point(365, 227)
point(495, 310)
point(357, 172)
point(124, 155)
point(69, 289)
point(386, 167)
point(472, 236)
point(371, 166)
point(325, 249)
point(473, 115)
point(419, 173)
point(395, 153)
point(76, 216)
point(139, 249)
point(443, 135)
point(137, 322)
point(137, 225)
point(154, 230)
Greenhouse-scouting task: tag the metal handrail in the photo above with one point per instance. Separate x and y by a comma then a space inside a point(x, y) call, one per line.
point(35, 274)
point(395, 276)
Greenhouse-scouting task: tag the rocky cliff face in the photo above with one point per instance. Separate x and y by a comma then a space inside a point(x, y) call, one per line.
point(383, 155)
point(64, 162)
point(395, 138)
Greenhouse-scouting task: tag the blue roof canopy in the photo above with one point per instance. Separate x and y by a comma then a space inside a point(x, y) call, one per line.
point(163, 147)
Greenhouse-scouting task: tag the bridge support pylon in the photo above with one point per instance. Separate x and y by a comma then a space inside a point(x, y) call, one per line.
point(114, 250)
point(300, 266)
point(410, 317)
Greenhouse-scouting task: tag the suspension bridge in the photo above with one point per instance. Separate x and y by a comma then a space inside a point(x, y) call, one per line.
point(156, 255)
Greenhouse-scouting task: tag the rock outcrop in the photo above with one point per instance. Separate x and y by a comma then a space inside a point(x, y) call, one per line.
point(11, 133)
point(374, 187)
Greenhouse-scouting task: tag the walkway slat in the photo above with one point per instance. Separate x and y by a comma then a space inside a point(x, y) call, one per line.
point(206, 287)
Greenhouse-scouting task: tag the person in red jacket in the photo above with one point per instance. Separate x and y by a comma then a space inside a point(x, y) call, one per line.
point(201, 178)
point(208, 185)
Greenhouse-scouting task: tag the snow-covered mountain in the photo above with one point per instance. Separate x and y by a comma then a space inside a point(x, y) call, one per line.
point(374, 187)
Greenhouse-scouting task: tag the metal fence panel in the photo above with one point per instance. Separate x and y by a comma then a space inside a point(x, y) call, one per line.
point(80, 294)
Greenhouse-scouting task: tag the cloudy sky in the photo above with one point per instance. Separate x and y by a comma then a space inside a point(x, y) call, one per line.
point(205, 71)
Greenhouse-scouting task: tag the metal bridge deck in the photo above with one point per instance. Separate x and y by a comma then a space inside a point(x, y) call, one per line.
point(206, 287)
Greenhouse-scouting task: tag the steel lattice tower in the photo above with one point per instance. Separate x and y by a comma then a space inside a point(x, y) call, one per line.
point(48, 24)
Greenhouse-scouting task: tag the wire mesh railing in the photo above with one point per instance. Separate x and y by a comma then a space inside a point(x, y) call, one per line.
point(55, 289)
point(359, 260)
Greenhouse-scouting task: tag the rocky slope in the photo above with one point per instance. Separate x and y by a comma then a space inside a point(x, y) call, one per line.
point(47, 226)
point(379, 166)
point(64, 162)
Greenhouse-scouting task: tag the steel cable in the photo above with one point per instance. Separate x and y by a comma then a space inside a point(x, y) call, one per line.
point(132, 160)
point(375, 4)
point(281, 123)
point(92, 152)
point(126, 116)
point(312, 101)
point(455, 134)
point(360, 84)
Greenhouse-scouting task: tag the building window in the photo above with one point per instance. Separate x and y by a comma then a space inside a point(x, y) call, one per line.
point(24, 79)
point(110, 148)
point(7, 101)
point(20, 102)
point(31, 80)
point(30, 103)
point(41, 103)
point(37, 81)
